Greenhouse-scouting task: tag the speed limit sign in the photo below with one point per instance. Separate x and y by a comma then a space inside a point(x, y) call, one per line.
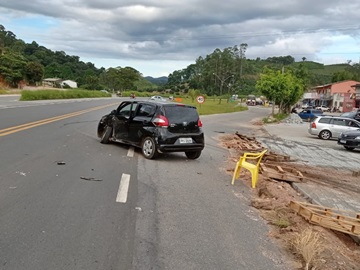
point(200, 99)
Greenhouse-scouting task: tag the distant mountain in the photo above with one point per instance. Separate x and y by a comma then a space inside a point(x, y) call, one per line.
point(158, 81)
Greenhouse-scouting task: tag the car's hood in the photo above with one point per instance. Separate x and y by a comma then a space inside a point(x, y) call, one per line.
point(352, 133)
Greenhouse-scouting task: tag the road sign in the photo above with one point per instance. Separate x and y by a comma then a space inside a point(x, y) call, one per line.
point(200, 99)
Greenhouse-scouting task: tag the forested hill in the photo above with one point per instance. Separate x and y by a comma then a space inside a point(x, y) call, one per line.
point(223, 71)
point(158, 81)
point(31, 62)
point(230, 71)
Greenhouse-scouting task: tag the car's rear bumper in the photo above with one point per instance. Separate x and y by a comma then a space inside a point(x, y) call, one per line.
point(314, 131)
point(180, 148)
point(171, 142)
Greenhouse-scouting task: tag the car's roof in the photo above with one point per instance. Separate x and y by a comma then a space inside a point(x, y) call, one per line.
point(337, 117)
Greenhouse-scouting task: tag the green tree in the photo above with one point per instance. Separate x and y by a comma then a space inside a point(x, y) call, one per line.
point(192, 94)
point(342, 76)
point(34, 72)
point(283, 88)
point(120, 79)
point(12, 68)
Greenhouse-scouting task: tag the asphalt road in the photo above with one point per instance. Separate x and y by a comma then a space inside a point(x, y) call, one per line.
point(62, 205)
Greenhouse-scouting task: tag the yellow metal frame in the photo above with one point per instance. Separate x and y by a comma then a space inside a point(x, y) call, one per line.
point(252, 167)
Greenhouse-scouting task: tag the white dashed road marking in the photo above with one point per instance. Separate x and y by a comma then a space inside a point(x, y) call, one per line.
point(131, 152)
point(123, 188)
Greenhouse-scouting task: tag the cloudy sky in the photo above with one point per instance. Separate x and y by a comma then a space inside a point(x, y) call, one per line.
point(157, 37)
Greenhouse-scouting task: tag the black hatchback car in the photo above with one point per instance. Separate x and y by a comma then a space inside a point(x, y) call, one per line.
point(155, 127)
point(350, 139)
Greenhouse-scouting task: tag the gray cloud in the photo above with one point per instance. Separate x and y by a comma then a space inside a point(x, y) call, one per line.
point(184, 30)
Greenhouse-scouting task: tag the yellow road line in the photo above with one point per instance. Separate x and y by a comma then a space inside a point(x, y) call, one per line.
point(10, 130)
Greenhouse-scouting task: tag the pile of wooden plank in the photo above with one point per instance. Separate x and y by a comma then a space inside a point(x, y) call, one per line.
point(340, 220)
point(281, 172)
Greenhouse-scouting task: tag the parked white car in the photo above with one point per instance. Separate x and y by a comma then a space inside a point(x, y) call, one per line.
point(159, 98)
point(323, 108)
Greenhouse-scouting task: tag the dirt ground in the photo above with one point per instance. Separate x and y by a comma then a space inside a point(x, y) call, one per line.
point(333, 250)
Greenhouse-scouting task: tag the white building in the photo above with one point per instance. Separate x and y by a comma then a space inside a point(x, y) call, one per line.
point(70, 83)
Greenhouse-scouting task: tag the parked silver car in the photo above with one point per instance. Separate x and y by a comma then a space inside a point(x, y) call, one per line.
point(326, 126)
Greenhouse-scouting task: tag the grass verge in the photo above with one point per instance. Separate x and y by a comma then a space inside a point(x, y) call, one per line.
point(212, 106)
point(60, 94)
point(275, 118)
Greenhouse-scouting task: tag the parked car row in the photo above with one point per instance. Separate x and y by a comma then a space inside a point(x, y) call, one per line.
point(346, 130)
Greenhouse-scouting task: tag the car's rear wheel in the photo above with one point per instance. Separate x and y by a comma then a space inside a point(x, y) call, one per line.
point(325, 135)
point(148, 148)
point(349, 148)
point(193, 154)
point(106, 135)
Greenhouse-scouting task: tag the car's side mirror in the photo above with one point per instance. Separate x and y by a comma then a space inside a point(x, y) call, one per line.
point(113, 112)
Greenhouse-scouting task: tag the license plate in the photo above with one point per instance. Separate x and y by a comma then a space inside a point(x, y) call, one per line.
point(185, 140)
point(342, 141)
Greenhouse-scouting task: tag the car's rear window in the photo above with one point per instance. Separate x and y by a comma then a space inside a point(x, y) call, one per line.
point(179, 114)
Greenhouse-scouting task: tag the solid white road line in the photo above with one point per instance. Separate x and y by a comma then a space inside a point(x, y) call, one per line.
point(123, 188)
point(131, 152)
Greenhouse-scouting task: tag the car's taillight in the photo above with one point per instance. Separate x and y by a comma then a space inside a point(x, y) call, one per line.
point(313, 125)
point(161, 121)
point(199, 123)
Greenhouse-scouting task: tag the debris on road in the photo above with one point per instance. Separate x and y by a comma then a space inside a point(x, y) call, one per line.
point(283, 173)
point(60, 163)
point(335, 219)
point(90, 178)
point(272, 198)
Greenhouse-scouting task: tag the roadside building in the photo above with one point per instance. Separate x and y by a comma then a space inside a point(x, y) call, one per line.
point(53, 82)
point(356, 95)
point(339, 95)
point(59, 83)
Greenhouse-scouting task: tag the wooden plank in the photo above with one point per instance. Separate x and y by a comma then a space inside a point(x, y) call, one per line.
point(281, 173)
point(339, 220)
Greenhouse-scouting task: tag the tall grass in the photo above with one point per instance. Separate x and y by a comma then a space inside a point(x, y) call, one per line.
point(212, 106)
point(308, 244)
point(60, 94)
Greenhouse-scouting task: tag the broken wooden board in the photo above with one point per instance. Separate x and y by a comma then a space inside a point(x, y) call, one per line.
point(340, 220)
point(278, 172)
point(274, 157)
point(249, 143)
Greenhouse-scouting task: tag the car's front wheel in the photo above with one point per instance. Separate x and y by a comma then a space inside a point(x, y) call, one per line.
point(193, 154)
point(105, 137)
point(148, 148)
point(349, 148)
point(325, 135)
